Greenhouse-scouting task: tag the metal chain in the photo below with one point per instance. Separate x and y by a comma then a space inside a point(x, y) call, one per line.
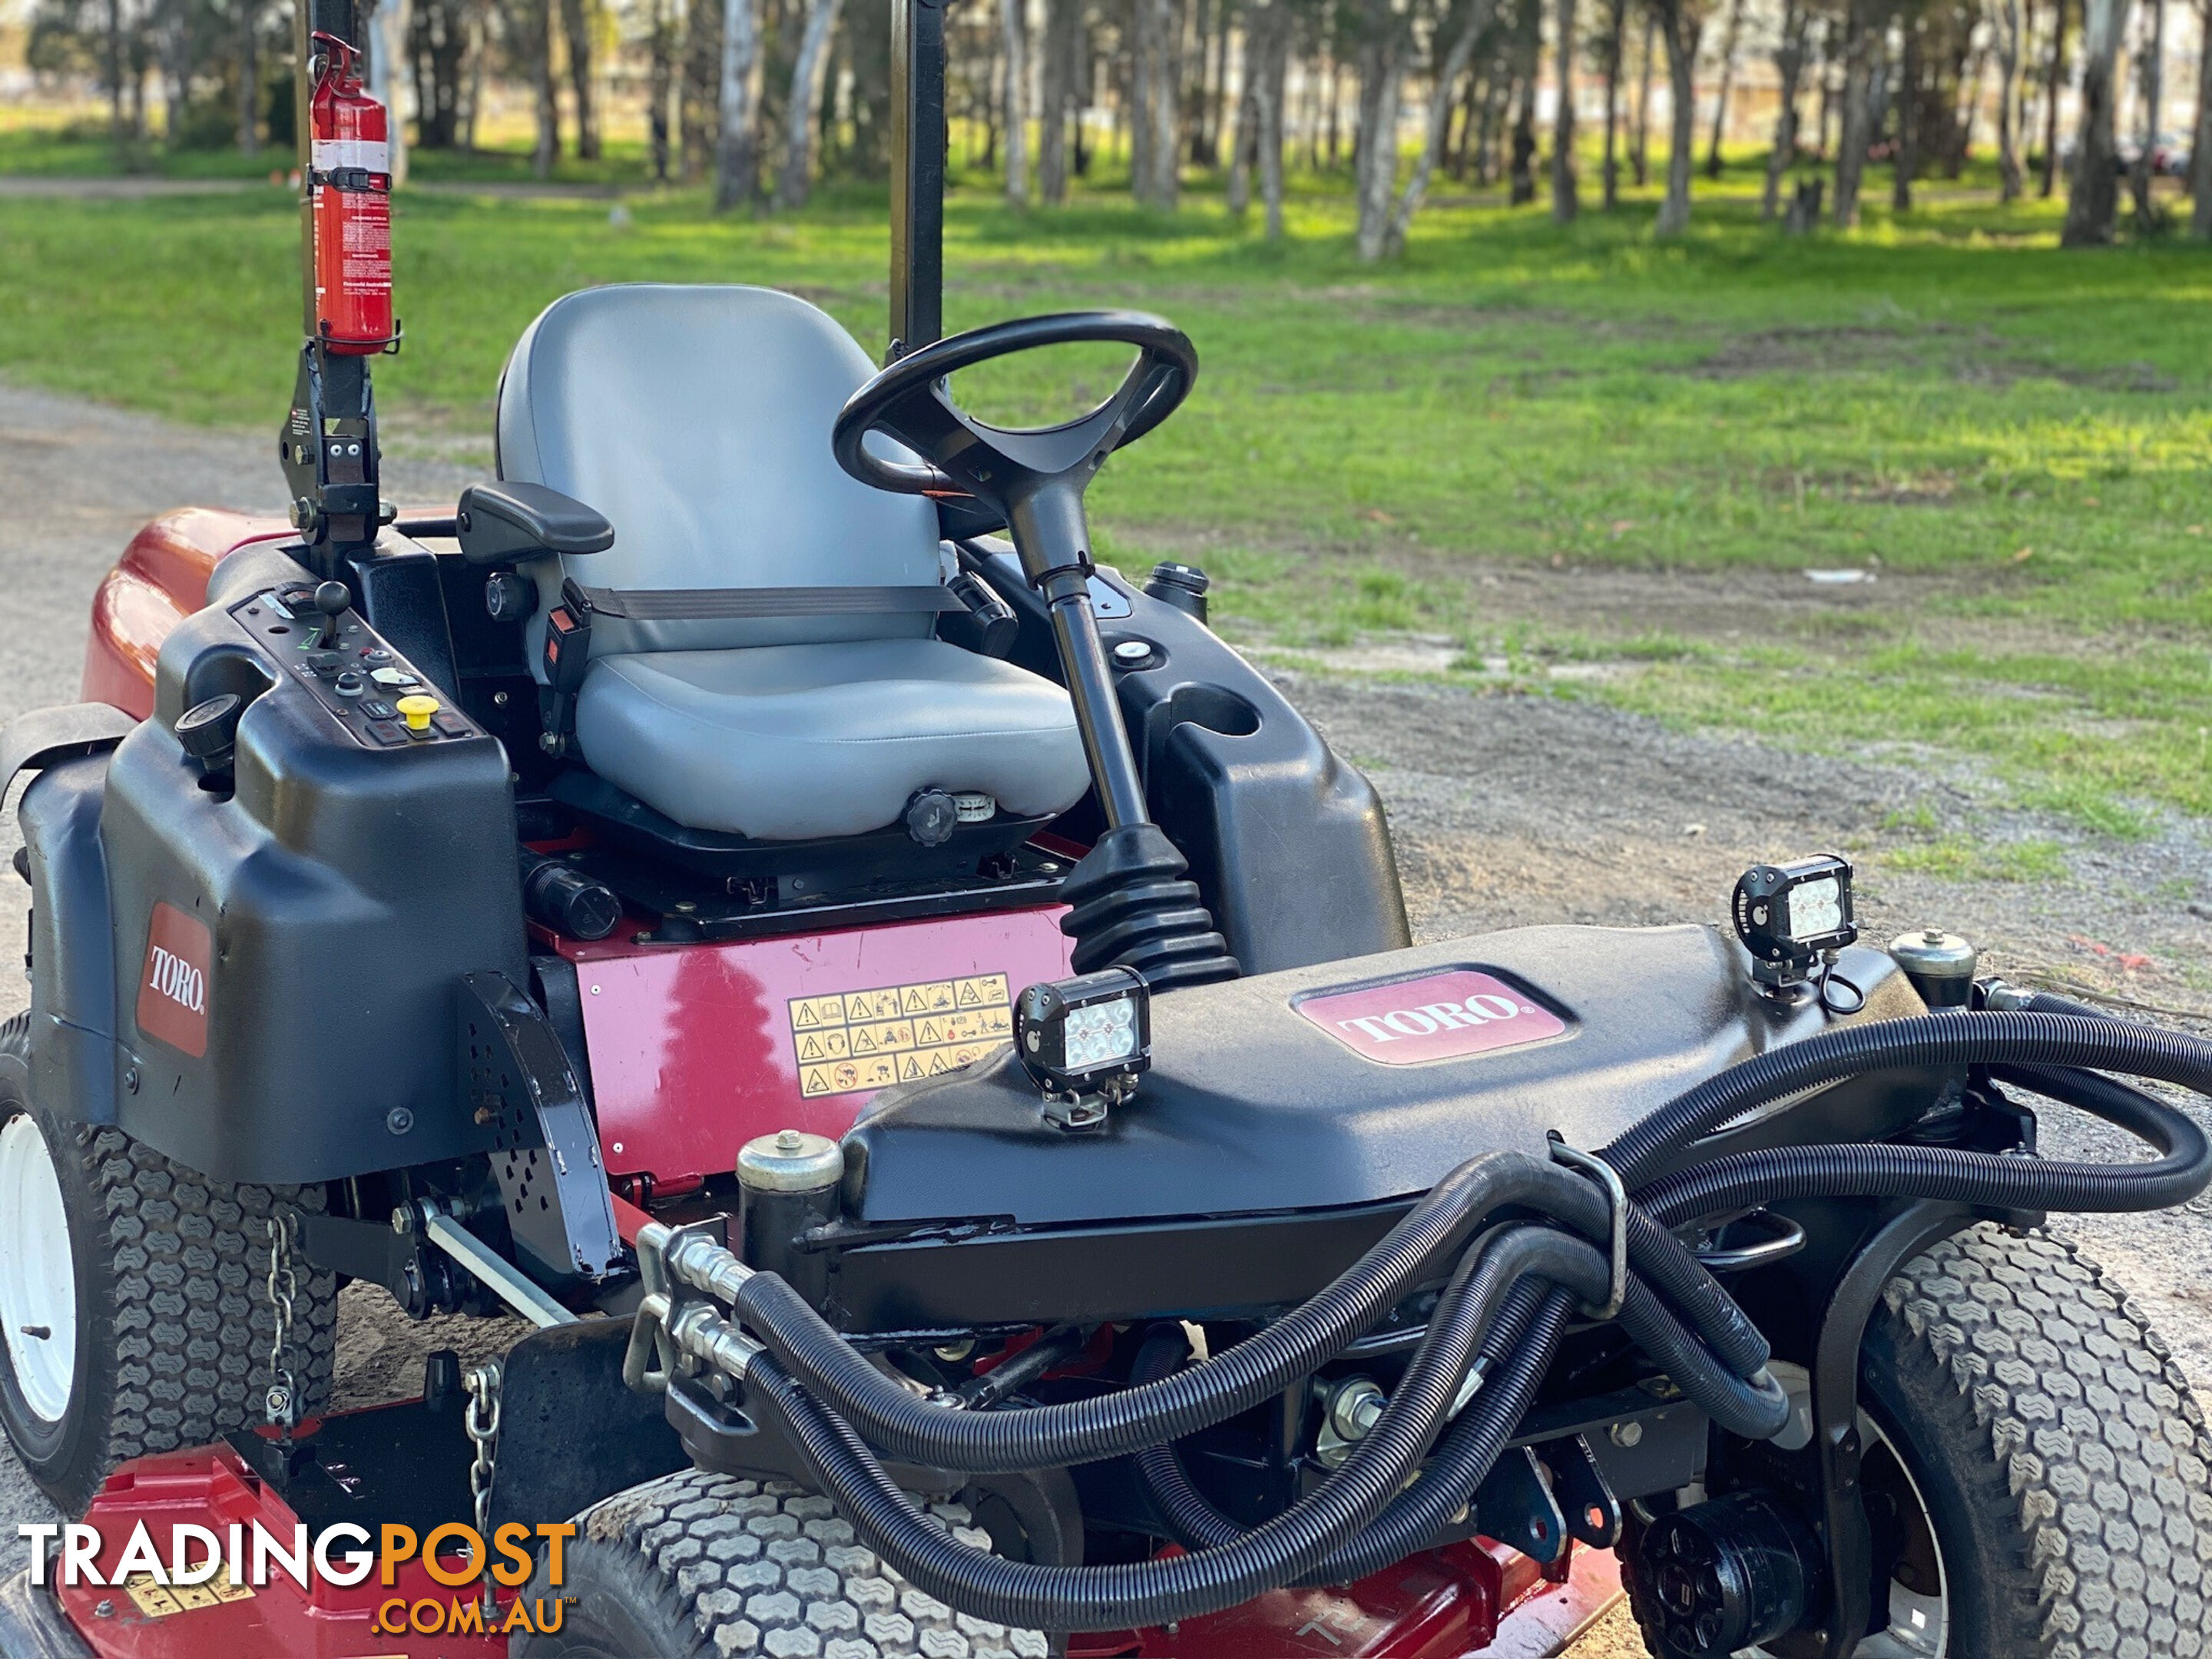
point(283, 1399)
point(481, 1421)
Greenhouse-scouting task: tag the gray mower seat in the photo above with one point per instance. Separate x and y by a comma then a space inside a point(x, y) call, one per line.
point(697, 420)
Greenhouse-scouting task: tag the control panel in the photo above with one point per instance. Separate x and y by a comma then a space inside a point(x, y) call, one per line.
point(313, 636)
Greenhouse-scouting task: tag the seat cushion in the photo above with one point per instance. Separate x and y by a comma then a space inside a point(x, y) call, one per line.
point(796, 742)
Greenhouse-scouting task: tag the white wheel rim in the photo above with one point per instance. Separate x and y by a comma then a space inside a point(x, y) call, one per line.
point(37, 1280)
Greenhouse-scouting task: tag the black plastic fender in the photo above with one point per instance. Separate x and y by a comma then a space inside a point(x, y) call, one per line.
point(73, 1050)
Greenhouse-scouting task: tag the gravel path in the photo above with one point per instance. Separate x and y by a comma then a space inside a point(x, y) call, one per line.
point(1507, 811)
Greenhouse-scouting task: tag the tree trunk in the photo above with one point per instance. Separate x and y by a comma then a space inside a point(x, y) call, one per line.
point(1908, 121)
point(1616, 30)
point(117, 56)
point(1521, 170)
point(2093, 192)
point(576, 19)
point(533, 23)
point(1788, 70)
point(1443, 90)
point(1680, 26)
point(1382, 52)
point(2054, 83)
point(2154, 96)
point(2200, 150)
point(478, 53)
point(1854, 134)
point(1729, 38)
point(1565, 199)
point(1014, 27)
point(1062, 18)
point(1639, 151)
point(796, 182)
point(1154, 154)
point(176, 56)
point(387, 28)
point(737, 153)
point(1244, 123)
point(1273, 83)
point(660, 84)
point(2011, 44)
point(249, 82)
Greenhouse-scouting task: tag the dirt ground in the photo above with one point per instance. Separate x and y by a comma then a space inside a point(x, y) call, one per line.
point(1507, 810)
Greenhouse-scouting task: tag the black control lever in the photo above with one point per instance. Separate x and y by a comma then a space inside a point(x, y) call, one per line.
point(332, 599)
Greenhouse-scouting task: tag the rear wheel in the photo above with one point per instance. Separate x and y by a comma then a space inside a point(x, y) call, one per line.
point(2036, 1460)
point(135, 1296)
point(699, 1566)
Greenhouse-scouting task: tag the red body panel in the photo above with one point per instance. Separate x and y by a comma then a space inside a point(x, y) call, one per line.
point(161, 579)
point(212, 1488)
point(695, 1048)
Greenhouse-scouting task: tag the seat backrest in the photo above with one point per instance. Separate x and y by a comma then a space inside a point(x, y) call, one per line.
point(697, 420)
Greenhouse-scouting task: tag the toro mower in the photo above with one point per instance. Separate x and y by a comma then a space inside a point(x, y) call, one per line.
point(930, 1040)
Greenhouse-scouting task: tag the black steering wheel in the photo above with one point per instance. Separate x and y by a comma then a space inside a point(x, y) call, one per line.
point(962, 456)
point(1033, 483)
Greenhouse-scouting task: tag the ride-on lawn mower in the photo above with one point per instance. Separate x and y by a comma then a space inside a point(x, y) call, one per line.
point(930, 1040)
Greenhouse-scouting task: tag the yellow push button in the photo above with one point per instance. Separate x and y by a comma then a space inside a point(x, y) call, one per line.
point(416, 711)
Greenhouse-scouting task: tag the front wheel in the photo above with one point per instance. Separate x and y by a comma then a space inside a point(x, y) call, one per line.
point(2038, 1458)
point(134, 1294)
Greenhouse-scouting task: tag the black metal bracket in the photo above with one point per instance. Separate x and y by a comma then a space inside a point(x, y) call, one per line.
point(1578, 1484)
point(1908, 1228)
point(328, 450)
point(519, 1083)
point(1514, 1505)
point(918, 136)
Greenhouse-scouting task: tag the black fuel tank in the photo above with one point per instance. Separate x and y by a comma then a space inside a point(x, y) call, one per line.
point(1335, 1086)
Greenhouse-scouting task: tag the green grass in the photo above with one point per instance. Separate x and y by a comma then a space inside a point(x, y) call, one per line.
point(2024, 433)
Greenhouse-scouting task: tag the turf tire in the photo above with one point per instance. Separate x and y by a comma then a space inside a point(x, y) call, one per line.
point(2064, 1465)
point(704, 1566)
point(174, 1318)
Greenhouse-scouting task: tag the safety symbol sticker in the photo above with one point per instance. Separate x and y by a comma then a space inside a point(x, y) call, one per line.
point(859, 1039)
point(156, 1602)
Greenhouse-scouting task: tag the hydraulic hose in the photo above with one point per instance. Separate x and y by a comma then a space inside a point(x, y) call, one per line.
point(1274, 1552)
point(1984, 1036)
point(1944, 1173)
point(1108, 1426)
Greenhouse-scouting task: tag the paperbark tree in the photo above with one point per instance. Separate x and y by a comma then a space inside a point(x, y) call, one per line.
point(2200, 150)
point(796, 181)
point(1565, 198)
point(1383, 49)
point(1013, 26)
point(1729, 37)
point(2153, 70)
point(577, 18)
point(1063, 35)
point(661, 82)
point(1789, 72)
point(1616, 29)
point(1681, 23)
point(2054, 82)
point(1244, 119)
point(1155, 175)
point(2093, 192)
point(1855, 124)
point(1639, 152)
point(1908, 118)
point(1272, 84)
point(249, 78)
point(2012, 45)
point(1481, 14)
point(737, 153)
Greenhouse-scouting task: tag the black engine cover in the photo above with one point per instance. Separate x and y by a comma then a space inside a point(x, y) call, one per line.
point(1262, 1150)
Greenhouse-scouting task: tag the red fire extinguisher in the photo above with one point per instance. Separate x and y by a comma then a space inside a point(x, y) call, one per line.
point(349, 156)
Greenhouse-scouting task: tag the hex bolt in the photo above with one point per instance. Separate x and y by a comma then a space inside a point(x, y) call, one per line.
point(1625, 1434)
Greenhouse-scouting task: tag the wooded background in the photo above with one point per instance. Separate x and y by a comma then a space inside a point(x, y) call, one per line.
point(1559, 102)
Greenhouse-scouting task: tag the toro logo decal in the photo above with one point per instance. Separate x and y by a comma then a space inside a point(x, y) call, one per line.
point(173, 986)
point(1436, 1017)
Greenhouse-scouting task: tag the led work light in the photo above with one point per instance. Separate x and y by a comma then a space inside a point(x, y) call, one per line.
point(1788, 916)
point(1085, 1040)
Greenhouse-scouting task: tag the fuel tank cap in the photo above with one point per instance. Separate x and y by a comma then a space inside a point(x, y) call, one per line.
point(791, 1161)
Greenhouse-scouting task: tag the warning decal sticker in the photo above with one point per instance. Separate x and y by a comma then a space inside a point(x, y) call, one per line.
point(858, 1039)
point(157, 1603)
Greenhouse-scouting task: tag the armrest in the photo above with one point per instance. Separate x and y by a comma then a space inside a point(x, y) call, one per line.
point(497, 522)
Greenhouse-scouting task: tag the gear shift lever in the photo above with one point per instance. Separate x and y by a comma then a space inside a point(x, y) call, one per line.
point(332, 599)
